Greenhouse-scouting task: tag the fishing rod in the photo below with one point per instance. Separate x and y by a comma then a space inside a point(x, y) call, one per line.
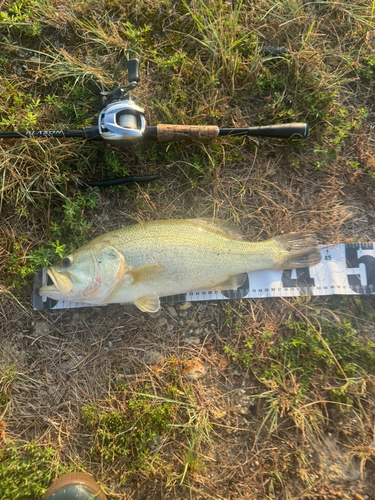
point(122, 123)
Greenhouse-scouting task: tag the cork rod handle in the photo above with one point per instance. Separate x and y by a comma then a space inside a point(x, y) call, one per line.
point(169, 133)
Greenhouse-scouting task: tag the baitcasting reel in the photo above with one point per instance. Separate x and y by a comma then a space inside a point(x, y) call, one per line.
point(122, 122)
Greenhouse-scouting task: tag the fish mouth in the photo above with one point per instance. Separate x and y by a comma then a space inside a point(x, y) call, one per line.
point(61, 284)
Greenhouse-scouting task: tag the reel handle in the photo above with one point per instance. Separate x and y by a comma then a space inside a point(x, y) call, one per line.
point(133, 70)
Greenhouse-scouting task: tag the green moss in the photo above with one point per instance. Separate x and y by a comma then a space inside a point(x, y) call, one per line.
point(128, 432)
point(27, 470)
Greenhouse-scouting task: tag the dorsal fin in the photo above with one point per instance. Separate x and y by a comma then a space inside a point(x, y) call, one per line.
point(226, 229)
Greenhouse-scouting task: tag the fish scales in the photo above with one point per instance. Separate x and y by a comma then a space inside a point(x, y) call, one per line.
point(146, 261)
point(200, 260)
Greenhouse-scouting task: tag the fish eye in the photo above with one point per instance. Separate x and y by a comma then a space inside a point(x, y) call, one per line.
point(66, 262)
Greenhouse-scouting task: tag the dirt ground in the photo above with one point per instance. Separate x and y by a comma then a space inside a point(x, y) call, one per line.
point(238, 429)
point(69, 358)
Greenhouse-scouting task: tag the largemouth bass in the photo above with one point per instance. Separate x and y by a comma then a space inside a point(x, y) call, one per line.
point(143, 262)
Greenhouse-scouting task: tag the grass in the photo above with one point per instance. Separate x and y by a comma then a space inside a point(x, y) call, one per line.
point(23, 264)
point(136, 431)
point(8, 377)
point(286, 402)
point(130, 432)
point(26, 470)
point(325, 357)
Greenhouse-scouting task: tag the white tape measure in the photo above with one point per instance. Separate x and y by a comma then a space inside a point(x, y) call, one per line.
point(345, 269)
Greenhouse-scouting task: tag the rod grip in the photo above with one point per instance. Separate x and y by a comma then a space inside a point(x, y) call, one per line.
point(169, 133)
point(283, 131)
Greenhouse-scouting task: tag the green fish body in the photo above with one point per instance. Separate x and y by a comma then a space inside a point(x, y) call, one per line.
point(143, 262)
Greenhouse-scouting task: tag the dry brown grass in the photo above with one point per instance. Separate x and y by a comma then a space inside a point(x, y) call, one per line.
point(64, 362)
point(318, 448)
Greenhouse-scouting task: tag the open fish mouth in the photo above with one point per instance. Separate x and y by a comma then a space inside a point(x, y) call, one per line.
point(61, 284)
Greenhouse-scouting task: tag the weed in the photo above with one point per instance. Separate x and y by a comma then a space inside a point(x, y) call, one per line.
point(244, 356)
point(26, 470)
point(359, 308)
point(341, 125)
point(23, 265)
point(369, 68)
point(197, 430)
point(73, 224)
point(130, 429)
point(76, 106)
point(5, 402)
point(72, 228)
point(346, 394)
point(19, 110)
point(129, 432)
point(104, 33)
point(114, 165)
point(20, 17)
point(221, 35)
point(302, 354)
point(291, 366)
point(303, 350)
point(234, 318)
point(8, 375)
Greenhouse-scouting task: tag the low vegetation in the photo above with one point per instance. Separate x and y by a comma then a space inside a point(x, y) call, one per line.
point(267, 399)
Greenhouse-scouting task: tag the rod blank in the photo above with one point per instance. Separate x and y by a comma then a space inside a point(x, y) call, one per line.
point(85, 133)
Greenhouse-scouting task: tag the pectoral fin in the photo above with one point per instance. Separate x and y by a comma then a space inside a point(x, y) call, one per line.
point(232, 283)
point(146, 273)
point(148, 303)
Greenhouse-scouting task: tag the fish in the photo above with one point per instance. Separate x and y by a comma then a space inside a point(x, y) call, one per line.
point(145, 261)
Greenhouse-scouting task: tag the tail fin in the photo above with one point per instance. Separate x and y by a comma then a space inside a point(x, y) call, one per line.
point(298, 250)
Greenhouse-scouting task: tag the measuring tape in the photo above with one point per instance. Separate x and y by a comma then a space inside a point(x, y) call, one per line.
point(345, 269)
